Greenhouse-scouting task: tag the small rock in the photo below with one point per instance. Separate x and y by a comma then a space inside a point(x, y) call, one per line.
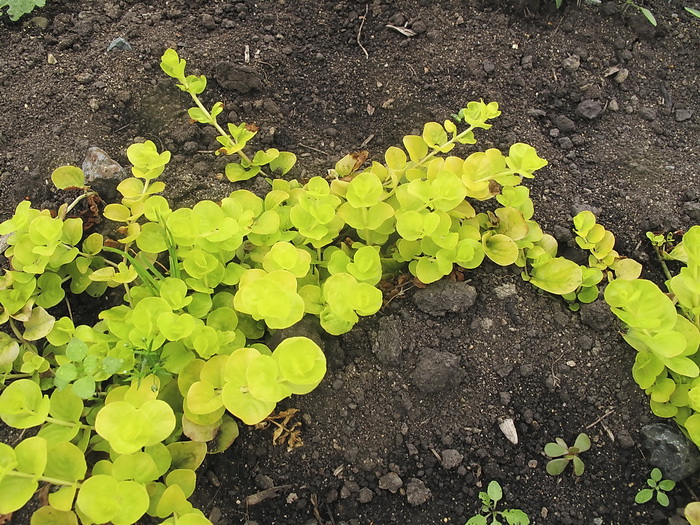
point(234, 77)
point(647, 113)
point(436, 371)
point(391, 482)
point(445, 296)
point(565, 143)
point(578, 140)
point(683, 114)
point(365, 495)
point(572, 63)
point(417, 493)
point(692, 210)
point(208, 21)
point(451, 458)
point(102, 173)
point(40, 22)
point(264, 482)
point(419, 27)
point(621, 75)
point(614, 105)
point(624, 439)
point(271, 107)
point(564, 123)
point(389, 346)
point(489, 66)
point(589, 109)
point(670, 451)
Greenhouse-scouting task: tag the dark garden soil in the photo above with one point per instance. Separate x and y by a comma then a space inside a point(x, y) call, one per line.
point(405, 428)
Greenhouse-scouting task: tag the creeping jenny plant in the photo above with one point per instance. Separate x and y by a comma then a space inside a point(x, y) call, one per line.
point(126, 409)
point(664, 329)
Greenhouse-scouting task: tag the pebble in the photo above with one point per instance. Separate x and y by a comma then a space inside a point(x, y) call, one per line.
point(682, 115)
point(365, 495)
point(445, 296)
point(391, 482)
point(208, 21)
point(621, 75)
point(647, 113)
point(565, 143)
point(572, 63)
point(589, 109)
point(692, 210)
point(419, 27)
point(670, 450)
point(436, 371)
point(564, 123)
point(451, 458)
point(417, 493)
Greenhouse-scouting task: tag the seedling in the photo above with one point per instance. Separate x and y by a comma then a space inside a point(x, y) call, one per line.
point(657, 486)
point(489, 514)
point(564, 454)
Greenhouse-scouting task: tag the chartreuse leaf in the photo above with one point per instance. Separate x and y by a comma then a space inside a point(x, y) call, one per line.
point(301, 362)
point(557, 275)
point(68, 177)
point(187, 454)
point(236, 395)
point(51, 516)
point(104, 499)
point(22, 404)
point(128, 429)
point(500, 248)
point(16, 492)
point(9, 349)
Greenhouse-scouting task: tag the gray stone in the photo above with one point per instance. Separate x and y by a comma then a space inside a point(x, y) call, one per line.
point(589, 109)
point(102, 173)
point(419, 27)
point(365, 495)
point(388, 345)
point(98, 165)
point(417, 493)
point(436, 371)
point(451, 458)
point(445, 296)
point(391, 482)
point(647, 113)
point(683, 114)
point(564, 123)
point(625, 439)
point(692, 210)
point(670, 451)
point(572, 63)
point(565, 143)
point(234, 77)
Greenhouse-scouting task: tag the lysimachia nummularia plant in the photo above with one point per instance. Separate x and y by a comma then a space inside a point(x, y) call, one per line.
point(126, 409)
point(664, 329)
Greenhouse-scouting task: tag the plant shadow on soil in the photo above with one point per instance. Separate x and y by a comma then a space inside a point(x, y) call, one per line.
point(412, 391)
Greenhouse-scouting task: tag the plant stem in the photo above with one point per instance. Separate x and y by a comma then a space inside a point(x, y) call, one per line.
point(214, 123)
point(62, 423)
point(664, 267)
point(53, 481)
